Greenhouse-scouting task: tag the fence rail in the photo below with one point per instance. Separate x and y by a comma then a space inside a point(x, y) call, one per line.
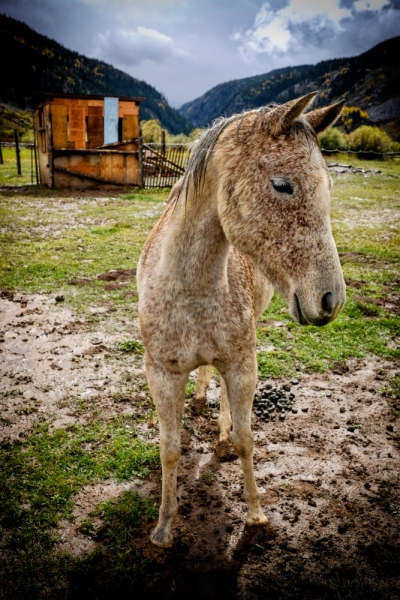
point(163, 165)
point(362, 153)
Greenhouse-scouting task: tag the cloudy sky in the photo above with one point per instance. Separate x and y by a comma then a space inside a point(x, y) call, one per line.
point(185, 47)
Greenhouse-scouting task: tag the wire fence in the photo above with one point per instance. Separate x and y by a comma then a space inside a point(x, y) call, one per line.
point(18, 164)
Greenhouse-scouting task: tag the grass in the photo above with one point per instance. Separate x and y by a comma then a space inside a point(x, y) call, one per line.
point(39, 479)
point(48, 241)
point(8, 170)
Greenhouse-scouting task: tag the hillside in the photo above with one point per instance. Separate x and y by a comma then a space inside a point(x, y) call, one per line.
point(370, 81)
point(40, 64)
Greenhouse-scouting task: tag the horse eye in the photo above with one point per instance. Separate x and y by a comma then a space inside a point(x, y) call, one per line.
point(282, 186)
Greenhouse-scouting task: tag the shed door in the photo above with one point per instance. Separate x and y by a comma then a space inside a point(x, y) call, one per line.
point(110, 120)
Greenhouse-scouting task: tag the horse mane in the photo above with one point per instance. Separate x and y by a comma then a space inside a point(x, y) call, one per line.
point(203, 147)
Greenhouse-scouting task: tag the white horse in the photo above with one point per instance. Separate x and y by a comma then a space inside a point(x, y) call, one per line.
point(251, 214)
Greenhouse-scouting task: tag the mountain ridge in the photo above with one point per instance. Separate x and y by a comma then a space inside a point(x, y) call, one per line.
point(41, 64)
point(368, 80)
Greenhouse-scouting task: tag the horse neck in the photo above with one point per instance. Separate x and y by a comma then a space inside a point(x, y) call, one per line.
point(195, 249)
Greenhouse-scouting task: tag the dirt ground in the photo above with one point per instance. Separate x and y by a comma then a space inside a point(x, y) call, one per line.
point(329, 477)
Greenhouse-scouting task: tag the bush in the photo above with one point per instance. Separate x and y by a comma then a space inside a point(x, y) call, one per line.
point(367, 138)
point(333, 139)
point(151, 133)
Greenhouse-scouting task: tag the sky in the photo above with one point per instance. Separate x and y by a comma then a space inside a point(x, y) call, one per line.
point(185, 47)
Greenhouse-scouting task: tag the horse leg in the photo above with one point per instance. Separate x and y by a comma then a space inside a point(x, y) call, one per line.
point(241, 383)
point(224, 422)
point(168, 393)
point(199, 401)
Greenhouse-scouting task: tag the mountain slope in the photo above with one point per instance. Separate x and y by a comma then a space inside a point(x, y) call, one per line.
point(40, 64)
point(368, 81)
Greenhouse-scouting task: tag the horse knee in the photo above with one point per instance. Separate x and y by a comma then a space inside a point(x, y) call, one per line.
point(170, 453)
point(242, 442)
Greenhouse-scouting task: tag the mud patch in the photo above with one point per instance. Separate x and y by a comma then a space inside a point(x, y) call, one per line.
point(328, 477)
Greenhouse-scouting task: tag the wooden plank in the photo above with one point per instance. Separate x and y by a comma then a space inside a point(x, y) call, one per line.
point(132, 170)
point(77, 126)
point(112, 167)
point(130, 127)
point(95, 126)
point(77, 174)
point(95, 103)
point(59, 125)
point(127, 108)
point(85, 163)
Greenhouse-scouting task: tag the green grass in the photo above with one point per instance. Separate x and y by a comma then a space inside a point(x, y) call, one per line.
point(39, 480)
point(45, 244)
point(44, 472)
point(132, 346)
point(8, 170)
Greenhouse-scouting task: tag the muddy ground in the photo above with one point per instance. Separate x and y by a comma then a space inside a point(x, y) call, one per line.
point(329, 477)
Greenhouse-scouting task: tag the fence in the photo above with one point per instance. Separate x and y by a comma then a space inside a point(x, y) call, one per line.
point(164, 164)
point(18, 167)
point(361, 153)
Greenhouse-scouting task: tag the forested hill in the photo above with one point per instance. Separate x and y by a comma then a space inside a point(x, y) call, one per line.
point(32, 63)
point(370, 81)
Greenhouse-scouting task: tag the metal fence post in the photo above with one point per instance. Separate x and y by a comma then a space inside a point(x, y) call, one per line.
point(17, 152)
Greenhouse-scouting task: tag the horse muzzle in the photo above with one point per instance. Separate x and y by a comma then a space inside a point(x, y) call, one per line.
point(319, 314)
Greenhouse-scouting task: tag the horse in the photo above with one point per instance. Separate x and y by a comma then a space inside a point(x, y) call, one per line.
point(249, 216)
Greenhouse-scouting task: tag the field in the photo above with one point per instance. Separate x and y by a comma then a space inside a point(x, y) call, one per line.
point(80, 476)
point(8, 170)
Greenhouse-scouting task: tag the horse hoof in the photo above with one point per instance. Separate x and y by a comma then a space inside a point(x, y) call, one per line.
point(259, 520)
point(225, 451)
point(160, 539)
point(199, 405)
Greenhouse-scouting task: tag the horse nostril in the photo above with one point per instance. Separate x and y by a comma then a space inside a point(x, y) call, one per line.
point(328, 304)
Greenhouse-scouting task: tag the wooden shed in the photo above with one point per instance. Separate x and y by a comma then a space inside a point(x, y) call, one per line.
point(83, 140)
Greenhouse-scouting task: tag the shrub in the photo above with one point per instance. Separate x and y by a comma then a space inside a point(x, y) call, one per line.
point(333, 139)
point(367, 138)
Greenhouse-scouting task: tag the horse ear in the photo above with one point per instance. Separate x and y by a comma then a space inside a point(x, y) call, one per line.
point(289, 112)
point(322, 118)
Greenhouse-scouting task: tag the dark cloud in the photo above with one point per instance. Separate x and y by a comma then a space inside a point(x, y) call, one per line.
point(185, 47)
point(346, 3)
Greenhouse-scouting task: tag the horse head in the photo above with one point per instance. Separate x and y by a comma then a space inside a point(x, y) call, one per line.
point(274, 204)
